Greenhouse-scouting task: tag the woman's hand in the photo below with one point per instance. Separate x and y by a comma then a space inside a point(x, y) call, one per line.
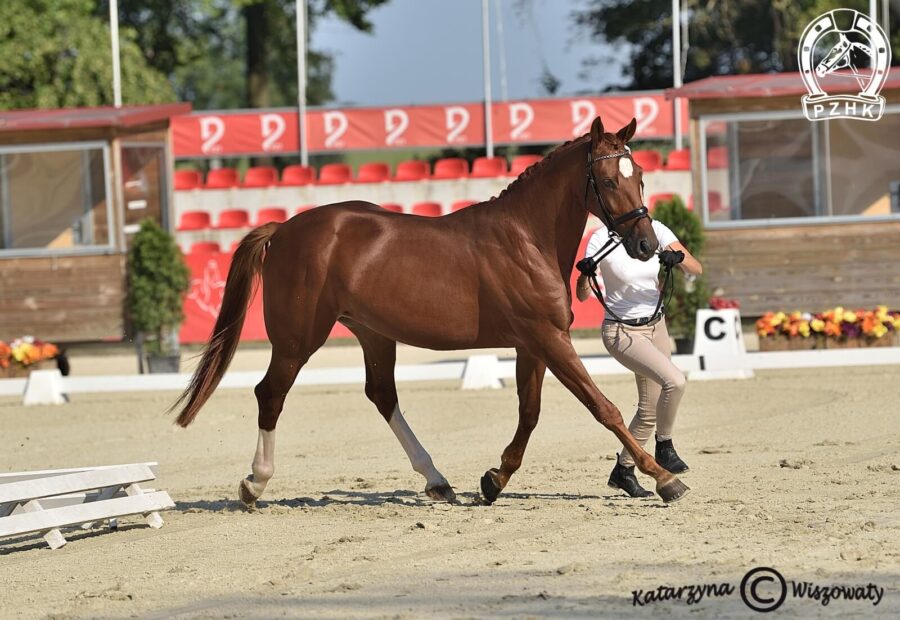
point(690, 264)
point(582, 288)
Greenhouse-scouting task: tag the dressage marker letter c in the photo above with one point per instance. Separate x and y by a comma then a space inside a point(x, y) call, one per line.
point(707, 328)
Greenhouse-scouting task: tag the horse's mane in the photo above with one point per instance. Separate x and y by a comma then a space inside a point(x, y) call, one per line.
point(530, 170)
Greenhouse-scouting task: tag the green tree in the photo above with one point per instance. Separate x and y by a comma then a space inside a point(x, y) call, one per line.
point(56, 53)
point(158, 279)
point(726, 36)
point(236, 53)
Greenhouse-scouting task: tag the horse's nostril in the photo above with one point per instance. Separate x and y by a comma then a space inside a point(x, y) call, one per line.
point(644, 246)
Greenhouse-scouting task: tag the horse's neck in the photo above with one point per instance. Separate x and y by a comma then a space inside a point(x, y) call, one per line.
point(550, 204)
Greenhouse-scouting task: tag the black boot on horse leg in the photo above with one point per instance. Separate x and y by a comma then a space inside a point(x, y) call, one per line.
point(529, 379)
point(380, 355)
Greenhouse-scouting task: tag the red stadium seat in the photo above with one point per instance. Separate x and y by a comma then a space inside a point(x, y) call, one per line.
point(233, 218)
point(373, 172)
point(648, 160)
point(412, 170)
point(234, 245)
point(297, 175)
point(657, 198)
point(678, 160)
point(451, 168)
point(304, 209)
point(459, 205)
point(714, 199)
point(194, 220)
point(427, 209)
point(271, 214)
point(187, 179)
point(260, 176)
point(333, 174)
point(205, 247)
point(392, 206)
point(221, 178)
point(521, 162)
point(717, 157)
point(489, 167)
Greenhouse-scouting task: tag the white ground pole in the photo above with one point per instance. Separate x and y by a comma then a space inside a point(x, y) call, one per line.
point(486, 62)
point(114, 35)
point(501, 56)
point(301, 79)
point(676, 68)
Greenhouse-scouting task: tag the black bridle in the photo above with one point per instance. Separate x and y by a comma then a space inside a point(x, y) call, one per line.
point(588, 265)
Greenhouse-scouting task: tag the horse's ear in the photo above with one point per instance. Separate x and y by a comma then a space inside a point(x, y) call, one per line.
point(596, 131)
point(627, 132)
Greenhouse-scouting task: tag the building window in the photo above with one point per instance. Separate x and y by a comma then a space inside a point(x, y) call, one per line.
point(54, 199)
point(780, 166)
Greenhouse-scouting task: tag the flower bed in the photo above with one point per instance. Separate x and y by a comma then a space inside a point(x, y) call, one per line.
point(23, 355)
point(835, 329)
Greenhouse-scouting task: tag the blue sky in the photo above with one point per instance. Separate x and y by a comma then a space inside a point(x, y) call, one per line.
point(429, 51)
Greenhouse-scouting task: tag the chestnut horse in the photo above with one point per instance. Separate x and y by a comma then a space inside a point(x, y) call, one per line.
point(495, 274)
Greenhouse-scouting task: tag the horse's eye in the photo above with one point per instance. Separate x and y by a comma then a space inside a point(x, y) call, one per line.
point(609, 183)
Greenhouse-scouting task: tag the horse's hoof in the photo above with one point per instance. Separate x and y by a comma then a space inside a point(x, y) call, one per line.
point(673, 490)
point(442, 492)
point(248, 499)
point(490, 488)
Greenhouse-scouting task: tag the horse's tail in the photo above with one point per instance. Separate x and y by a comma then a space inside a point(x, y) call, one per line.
point(246, 264)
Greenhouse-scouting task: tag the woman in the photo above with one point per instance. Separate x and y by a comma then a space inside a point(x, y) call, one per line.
point(640, 342)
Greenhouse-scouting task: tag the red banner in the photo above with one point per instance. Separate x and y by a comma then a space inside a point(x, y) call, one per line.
point(545, 121)
point(204, 300)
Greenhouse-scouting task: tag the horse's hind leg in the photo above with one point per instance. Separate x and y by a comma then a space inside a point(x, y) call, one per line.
point(289, 355)
point(529, 380)
point(380, 358)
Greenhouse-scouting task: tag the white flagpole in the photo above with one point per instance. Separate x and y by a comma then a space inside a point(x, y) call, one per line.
point(486, 57)
point(676, 67)
point(114, 35)
point(301, 79)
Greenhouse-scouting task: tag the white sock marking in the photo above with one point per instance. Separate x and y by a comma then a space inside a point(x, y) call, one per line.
point(418, 456)
point(625, 167)
point(263, 462)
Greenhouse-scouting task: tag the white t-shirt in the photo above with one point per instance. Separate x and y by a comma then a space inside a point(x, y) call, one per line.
point(631, 286)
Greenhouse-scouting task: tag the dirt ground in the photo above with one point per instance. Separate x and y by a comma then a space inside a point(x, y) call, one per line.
point(795, 470)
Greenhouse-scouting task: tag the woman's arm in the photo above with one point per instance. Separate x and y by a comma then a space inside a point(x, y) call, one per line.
point(690, 264)
point(582, 288)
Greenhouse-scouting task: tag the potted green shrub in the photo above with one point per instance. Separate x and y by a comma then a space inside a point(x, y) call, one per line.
point(689, 294)
point(158, 279)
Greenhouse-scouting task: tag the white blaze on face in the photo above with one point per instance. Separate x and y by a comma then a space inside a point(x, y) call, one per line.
point(625, 167)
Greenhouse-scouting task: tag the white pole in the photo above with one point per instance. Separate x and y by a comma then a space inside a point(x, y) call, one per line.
point(873, 11)
point(301, 79)
point(486, 57)
point(501, 40)
point(886, 17)
point(114, 35)
point(676, 67)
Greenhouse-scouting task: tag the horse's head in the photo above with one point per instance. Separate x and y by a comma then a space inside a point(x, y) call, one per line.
point(837, 58)
point(618, 188)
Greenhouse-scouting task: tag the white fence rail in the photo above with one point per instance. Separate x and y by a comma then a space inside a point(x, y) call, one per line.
point(46, 501)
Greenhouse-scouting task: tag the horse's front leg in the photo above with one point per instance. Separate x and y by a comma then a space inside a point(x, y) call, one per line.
point(529, 379)
point(555, 347)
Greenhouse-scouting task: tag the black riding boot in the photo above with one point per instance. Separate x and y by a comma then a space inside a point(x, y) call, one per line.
point(623, 478)
point(668, 459)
